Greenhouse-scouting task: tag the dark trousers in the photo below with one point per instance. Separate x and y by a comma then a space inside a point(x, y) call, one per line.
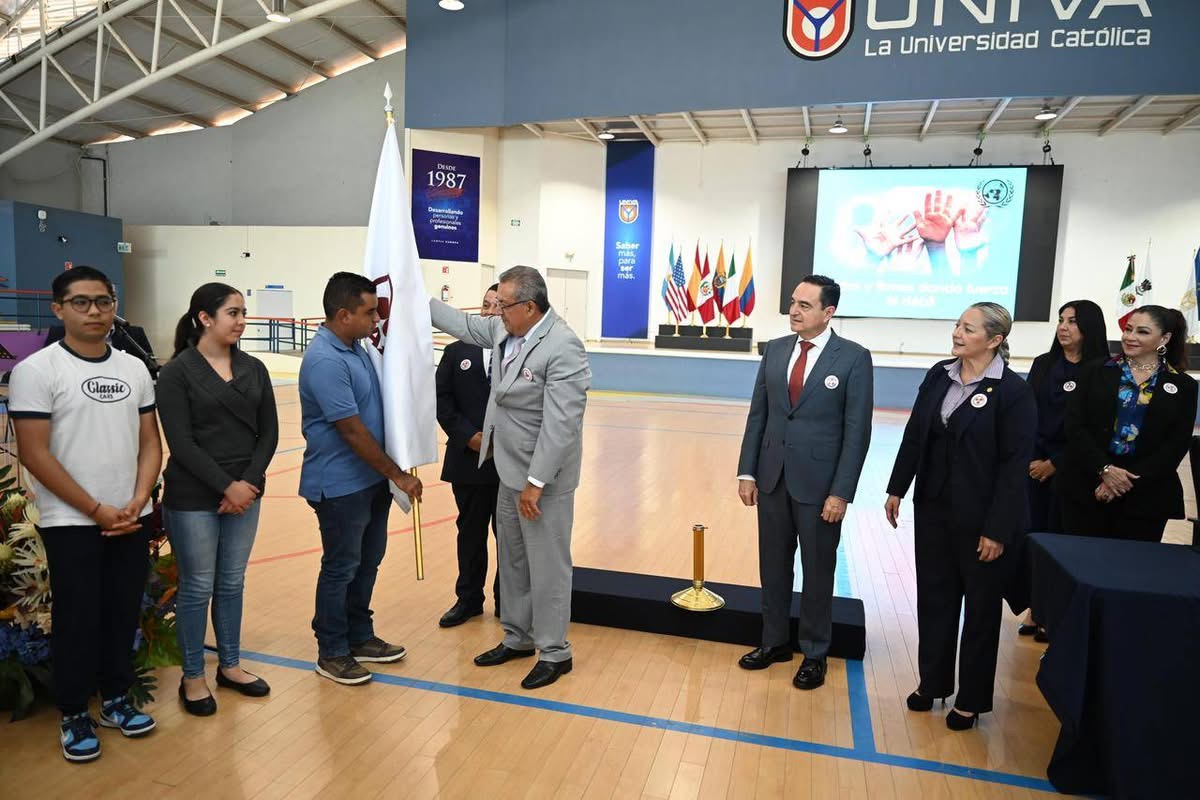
point(949, 570)
point(353, 541)
point(476, 512)
point(1109, 521)
point(782, 524)
point(1045, 508)
point(97, 583)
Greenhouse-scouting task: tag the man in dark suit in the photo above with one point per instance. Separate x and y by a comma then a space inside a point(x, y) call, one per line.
point(127, 338)
point(805, 443)
point(463, 386)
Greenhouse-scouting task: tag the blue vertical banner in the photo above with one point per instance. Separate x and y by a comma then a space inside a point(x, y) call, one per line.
point(628, 223)
point(445, 205)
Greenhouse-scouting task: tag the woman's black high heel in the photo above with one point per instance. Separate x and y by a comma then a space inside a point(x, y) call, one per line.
point(960, 722)
point(917, 702)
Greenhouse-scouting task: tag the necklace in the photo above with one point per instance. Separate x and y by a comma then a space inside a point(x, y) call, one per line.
point(1144, 367)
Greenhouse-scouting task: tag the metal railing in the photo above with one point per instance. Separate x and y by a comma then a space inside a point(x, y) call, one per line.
point(27, 308)
point(285, 334)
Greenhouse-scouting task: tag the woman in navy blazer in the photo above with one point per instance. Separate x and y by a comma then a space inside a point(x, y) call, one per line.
point(1129, 424)
point(968, 444)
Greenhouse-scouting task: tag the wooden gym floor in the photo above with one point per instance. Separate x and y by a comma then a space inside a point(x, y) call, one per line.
point(641, 715)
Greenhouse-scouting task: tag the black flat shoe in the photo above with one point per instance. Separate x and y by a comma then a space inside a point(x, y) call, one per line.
point(457, 615)
point(1026, 630)
point(763, 657)
point(204, 707)
point(545, 673)
point(918, 702)
point(499, 654)
point(959, 722)
point(255, 688)
point(811, 674)
point(1041, 637)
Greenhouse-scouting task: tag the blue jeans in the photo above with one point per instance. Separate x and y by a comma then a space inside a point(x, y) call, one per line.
point(353, 538)
point(211, 550)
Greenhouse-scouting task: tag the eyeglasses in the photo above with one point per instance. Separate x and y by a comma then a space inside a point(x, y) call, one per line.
point(502, 307)
point(83, 303)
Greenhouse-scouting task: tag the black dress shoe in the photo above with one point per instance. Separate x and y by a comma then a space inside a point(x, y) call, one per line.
point(255, 688)
point(918, 702)
point(1041, 637)
point(763, 657)
point(457, 615)
point(810, 675)
point(959, 722)
point(204, 707)
point(545, 673)
point(499, 654)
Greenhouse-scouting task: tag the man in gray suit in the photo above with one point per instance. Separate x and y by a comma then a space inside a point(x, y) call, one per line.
point(803, 450)
point(533, 428)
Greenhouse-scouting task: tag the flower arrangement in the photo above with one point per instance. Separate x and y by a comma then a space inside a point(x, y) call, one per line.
point(25, 603)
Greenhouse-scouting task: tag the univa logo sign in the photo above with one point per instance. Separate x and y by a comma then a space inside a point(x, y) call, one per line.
point(817, 29)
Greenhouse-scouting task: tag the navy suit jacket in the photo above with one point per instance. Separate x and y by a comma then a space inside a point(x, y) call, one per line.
point(462, 396)
point(817, 446)
point(993, 445)
point(1162, 442)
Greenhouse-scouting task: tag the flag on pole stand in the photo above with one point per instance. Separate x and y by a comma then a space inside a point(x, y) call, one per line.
point(1188, 303)
point(402, 344)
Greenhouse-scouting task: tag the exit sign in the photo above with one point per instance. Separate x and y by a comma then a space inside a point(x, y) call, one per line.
point(220, 273)
point(124, 247)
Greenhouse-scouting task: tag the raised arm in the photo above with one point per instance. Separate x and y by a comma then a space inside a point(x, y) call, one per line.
point(485, 332)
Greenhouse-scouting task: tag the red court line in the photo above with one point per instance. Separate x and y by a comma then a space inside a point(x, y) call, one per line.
point(311, 550)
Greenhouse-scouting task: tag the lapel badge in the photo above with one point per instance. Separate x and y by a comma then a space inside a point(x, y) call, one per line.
point(979, 400)
point(831, 382)
point(1069, 386)
point(1170, 388)
point(465, 364)
point(526, 374)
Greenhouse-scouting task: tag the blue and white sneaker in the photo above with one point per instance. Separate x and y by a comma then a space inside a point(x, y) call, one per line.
point(120, 713)
point(79, 742)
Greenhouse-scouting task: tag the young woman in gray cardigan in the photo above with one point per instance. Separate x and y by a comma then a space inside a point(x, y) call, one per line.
point(218, 415)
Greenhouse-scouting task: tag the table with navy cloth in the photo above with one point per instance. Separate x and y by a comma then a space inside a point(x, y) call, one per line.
point(1122, 671)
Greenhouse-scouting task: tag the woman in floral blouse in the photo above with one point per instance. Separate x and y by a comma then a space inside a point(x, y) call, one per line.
point(1129, 425)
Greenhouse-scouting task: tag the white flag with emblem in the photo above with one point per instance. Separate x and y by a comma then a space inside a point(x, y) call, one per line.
point(402, 346)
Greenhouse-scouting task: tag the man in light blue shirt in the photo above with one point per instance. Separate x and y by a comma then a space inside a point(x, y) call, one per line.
point(345, 479)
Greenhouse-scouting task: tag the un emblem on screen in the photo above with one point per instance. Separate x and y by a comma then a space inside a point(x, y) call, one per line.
point(816, 29)
point(994, 193)
point(628, 211)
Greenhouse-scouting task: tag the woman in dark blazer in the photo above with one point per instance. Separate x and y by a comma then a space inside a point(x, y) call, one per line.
point(967, 443)
point(1129, 425)
point(1079, 338)
point(218, 415)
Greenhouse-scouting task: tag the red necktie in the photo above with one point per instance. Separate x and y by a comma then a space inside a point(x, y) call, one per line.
point(796, 380)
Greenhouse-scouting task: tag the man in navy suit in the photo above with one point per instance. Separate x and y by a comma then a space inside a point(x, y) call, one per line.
point(805, 443)
point(463, 386)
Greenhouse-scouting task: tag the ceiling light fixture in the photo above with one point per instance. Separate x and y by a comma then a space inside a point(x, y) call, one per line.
point(1045, 114)
point(277, 12)
point(451, 5)
point(606, 135)
point(838, 127)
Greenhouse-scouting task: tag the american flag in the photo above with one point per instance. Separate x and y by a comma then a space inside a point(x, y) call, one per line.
point(673, 291)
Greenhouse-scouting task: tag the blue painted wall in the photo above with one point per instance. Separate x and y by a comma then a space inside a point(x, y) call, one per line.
point(511, 61)
point(30, 257)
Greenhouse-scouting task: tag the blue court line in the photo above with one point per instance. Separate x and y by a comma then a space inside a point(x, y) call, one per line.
point(864, 743)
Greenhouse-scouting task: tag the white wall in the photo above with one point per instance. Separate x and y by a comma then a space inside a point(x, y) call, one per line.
point(555, 188)
point(1119, 191)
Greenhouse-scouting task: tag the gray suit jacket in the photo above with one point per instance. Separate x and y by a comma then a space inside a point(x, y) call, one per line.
point(819, 445)
point(534, 420)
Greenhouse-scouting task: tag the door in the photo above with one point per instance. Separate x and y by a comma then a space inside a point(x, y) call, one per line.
point(568, 297)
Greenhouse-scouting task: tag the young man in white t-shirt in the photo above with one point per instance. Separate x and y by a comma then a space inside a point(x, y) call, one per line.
point(87, 433)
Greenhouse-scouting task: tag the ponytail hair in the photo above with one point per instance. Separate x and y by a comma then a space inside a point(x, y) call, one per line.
point(208, 298)
point(1172, 321)
point(996, 322)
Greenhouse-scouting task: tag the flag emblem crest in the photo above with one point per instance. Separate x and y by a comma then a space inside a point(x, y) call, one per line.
point(383, 290)
point(628, 211)
point(816, 29)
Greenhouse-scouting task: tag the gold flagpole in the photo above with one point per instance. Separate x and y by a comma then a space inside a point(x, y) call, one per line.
point(418, 547)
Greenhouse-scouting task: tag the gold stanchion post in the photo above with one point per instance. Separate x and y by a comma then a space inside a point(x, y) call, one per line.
point(696, 597)
point(418, 547)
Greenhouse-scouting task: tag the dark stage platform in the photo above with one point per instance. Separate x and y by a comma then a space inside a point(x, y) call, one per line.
point(643, 603)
